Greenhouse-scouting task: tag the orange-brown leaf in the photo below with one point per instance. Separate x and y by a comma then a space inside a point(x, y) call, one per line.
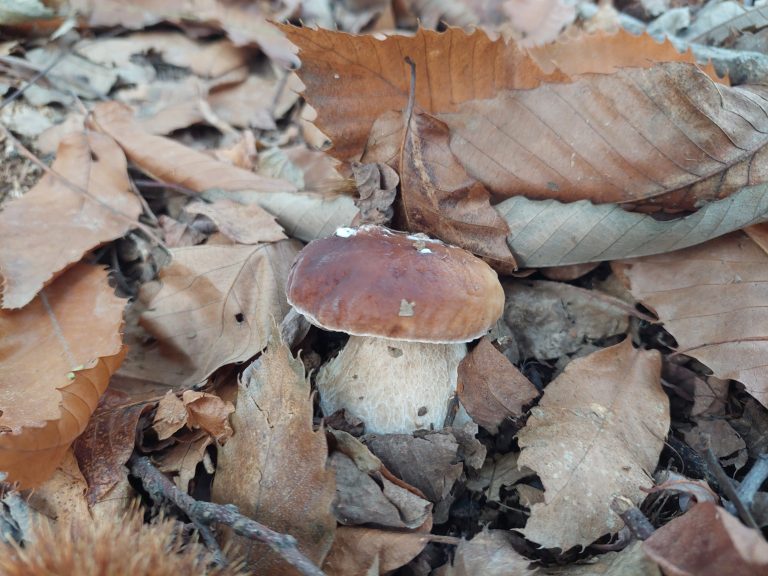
point(61, 218)
point(352, 80)
point(57, 355)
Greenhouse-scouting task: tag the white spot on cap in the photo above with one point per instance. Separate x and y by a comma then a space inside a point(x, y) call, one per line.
point(345, 232)
point(425, 251)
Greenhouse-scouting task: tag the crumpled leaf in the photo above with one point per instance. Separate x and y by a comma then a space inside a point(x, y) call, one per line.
point(94, 205)
point(597, 433)
point(195, 410)
point(708, 541)
point(169, 161)
point(491, 388)
point(274, 467)
point(352, 80)
point(182, 459)
point(243, 223)
point(376, 187)
point(437, 196)
point(58, 354)
point(629, 561)
point(216, 306)
point(549, 233)
point(489, 553)
point(728, 334)
point(103, 449)
point(683, 129)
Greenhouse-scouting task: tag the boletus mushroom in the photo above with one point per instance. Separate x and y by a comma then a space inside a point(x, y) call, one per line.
point(410, 304)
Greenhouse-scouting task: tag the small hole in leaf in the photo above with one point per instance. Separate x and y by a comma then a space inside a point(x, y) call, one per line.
point(239, 317)
point(94, 156)
point(422, 411)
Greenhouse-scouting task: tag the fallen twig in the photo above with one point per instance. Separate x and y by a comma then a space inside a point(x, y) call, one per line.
point(207, 513)
point(753, 480)
point(633, 517)
point(727, 487)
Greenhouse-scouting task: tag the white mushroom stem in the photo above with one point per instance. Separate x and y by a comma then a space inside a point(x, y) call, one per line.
point(394, 386)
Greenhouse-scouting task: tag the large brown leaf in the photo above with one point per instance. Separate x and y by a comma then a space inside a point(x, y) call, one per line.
point(49, 228)
point(631, 136)
point(352, 80)
point(597, 433)
point(274, 467)
point(712, 299)
point(172, 162)
point(216, 306)
point(56, 357)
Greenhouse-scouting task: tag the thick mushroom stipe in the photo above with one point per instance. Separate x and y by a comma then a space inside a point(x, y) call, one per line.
point(395, 387)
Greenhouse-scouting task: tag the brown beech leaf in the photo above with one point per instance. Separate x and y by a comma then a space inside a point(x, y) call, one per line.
point(439, 198)
point(708, 541)
point(170, 416)
point(169, 161)
point(489, 553)
point(632, 136)
point(352, 80)
point(61, 497)
point(274, 467)
point(491, 388)
point(597, 433)
point(57, 353)
point(209, 413)
point(243, 223)
point(106, 444)
point(728, 334)
point(216, 306)
point(92, 204)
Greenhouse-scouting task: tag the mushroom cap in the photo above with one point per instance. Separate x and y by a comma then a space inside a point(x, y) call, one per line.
point(372, 281)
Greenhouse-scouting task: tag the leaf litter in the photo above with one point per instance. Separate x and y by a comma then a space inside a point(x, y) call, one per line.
point(190, 161)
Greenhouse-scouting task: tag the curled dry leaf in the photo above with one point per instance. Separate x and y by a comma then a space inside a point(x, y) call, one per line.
point(489, 553)
point(708, 541)
point(597, 433)
point(107, 442)
point(683, 130)
point(274, 467)
point(491, 388)
point(376, 187)
point(216, 306)
point(58, 354)
point(243, 223)
point(550, 233)
point(90, 202)
point(169, 161)
point(208, 412)
point(729, 333)
point(352, 80)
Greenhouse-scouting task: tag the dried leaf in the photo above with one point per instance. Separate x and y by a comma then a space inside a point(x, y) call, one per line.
point(243, 223)
point(597, 433)
point(216, 306)
point(352, 80)
point(489, 553)
point(377, 188)
point(182, 459)
point(209, 413)
point(708, 541)
point(550, 319)
point(549, 233)
point(89, 204)
point(170, 416)
point(274, 467)
point(169, 161)
point(58, 354)
point(437, 196)
point(711, 298)
point(429, 463)
point(491, 388)
point(62, 497)
point(683, 129)
point(629, 561)
point(107, 443)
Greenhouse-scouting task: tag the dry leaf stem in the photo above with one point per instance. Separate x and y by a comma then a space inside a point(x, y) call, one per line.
point(206, 513)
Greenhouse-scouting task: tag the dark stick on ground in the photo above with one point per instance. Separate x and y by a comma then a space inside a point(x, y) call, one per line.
point(753, 480)
point(727, 487)
point(206, 513)
point(635, 520)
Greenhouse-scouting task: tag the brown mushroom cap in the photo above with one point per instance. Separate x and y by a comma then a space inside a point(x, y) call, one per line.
point(372, 281)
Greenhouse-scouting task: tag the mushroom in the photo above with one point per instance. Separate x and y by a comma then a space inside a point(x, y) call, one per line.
point(410, 304)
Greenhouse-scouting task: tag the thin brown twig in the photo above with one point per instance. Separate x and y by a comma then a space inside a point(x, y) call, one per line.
point(207, 513)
